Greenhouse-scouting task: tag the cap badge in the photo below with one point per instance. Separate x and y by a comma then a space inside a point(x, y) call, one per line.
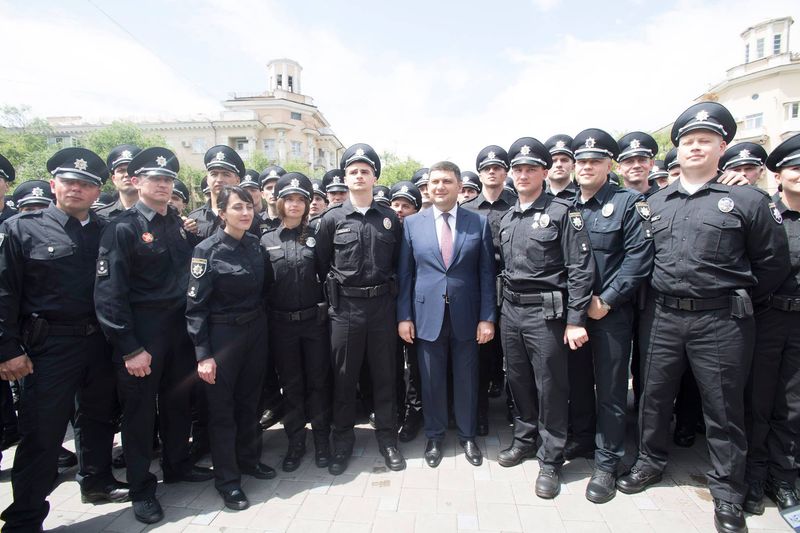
point(608, 209)
point(199, 266)
point(590, 142)
point(80, 164)
point(490, 155)
point(126, 154)
point(525, 150)
point(37, 191)
point(147, 237)
point(337, 180)
point(273, 173)
point(404, 189)
point(425, 176)
point(702, 115)
point(380, 194)
point(560, 144)
point(360, 152)
point(220, 156)
point(315, 186)
point(776, 214)
point(635, 144)
point(725, 204)
point(744, 154)
point(294, 183)
point(161, 161)
point(387, 223)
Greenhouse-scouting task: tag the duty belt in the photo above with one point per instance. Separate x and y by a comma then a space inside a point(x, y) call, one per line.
point(235, 320)
point(522, 298)
point(294, 316)
point(364, 292)
point(785, 303)
point(72, 329)
point(694, 304)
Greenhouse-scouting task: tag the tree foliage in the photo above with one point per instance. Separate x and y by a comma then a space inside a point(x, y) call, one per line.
point(23, 141)
point(394, 169)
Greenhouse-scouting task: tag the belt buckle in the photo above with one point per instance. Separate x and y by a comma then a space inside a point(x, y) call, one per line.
point(686, 304)
point(294, 316)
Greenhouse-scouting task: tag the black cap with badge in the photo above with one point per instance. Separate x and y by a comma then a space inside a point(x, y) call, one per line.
point(407, 191)
point(491, 155)
point(271, 173)
point(471, 180)
point(319, 189)
point(33, 192)
point(78, 164)
point(594, 143)
point(154, 161)
point(659, 170)
point(180, 189)
point(741, 154)
point(333, 181)
point(250, 179)
point(786, 154)
point(421, 177)
point(529, 151)
point(294, 183)
point(710, 116)
point(7, 171)
point(224, 157)
point(382, 194)
point(364, 153)
point(121, 155)
point(637, 143)
point(671, 159)
point(560, 144)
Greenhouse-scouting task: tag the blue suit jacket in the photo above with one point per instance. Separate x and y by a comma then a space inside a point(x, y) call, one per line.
point(424, 280)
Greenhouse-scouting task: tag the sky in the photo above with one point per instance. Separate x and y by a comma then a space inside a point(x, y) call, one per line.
point(429, 80)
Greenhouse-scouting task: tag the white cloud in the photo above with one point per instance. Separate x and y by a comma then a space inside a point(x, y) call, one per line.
point(545, 5)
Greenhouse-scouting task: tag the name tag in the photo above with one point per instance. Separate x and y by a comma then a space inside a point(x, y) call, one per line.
point(273, 247)
point(342, 230)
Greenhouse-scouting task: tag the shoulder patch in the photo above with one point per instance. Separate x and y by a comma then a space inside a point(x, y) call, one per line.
point(102, 268)
point(773, 209)
point(643, 208)
point(199, 266)
point(576, 220)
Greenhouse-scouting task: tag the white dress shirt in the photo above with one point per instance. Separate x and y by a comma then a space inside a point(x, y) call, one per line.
point(438, 221)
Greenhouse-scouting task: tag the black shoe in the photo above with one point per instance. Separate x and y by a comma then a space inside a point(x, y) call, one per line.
point(260, 471)
point(574, 450)
point(754, 501)
point(115, 492)
point(195, 474)
point(433, 453)
point(393, 458)
point(495, 390)
point(235, 499)
point(684, 437)
point(410, 427)
point(198, 450)
point(514, 455)
point(782, 493)
point(338, 463)
point(294, 456)
point(148, 511)
point(548, 484)
point(322, 454)
point(472, 452)
point(119, 461)
point(270, 417)
point(637, 480)
point(372, 420)
point(728, 517)
point(602, 487)
point(66, 459)
point(482, 428)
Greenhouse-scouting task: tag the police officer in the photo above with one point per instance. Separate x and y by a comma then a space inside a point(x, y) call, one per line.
point(773, 414)
point(204, 188)
point(33, 195)
point(618, 225)
point(335, 187)
point(658, 174)
point(745, 158)
point(357, 248)
point(251, 182)
point(227, 323)
point(7, 175)
point(269, 177)
point(51, 342)
point(117, 162)
point(319, 201)
point(470, 186)
point(140, 298)
point(299, 338)
point(718, 250)
point(493, 201)
point(546, 289)
point(559, 177)
point(637, 155)
point(180, 197)
point(382, 195)
point(672, 164)
point(407, 200)
point(420, 179)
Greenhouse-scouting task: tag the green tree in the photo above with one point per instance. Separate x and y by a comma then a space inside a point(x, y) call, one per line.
point(394, 169)
point(23, 141)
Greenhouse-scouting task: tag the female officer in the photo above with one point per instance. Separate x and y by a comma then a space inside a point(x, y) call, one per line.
point(298, 316)
point(227, 322)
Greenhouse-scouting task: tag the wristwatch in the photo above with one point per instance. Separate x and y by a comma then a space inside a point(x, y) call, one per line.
point(603, 304)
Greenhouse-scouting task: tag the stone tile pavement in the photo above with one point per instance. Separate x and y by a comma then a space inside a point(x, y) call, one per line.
point(456, 497)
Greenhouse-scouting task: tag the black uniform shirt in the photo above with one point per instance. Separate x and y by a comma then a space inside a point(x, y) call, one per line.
point(144, 260)
point(493, 211)
point(546, 248)
point(7, 211)
point(621, 241)
point(265, 223)
point(791, 223)
point(568, 193)
point(111, 211)
point(47, 264)
point(208, 222)
point(359, 250)
point(718, 239)
point(228, 277)
point(297, 285)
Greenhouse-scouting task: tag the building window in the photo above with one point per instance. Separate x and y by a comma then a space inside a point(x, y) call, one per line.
point(199, 145)
point(747, 53)
point(296, 116)
point(752, 122)
point(62, 141)
point(792, 110)
point(241, 144)
point(269, 148)
point(297, 149)
point(759, 48)
point(776, 44)
point(280, 81)
point(291, 84)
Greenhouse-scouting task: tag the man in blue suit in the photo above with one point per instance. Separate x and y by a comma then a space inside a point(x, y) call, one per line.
point(447, 304)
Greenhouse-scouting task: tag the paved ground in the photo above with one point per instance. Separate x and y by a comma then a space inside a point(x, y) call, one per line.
point(368, 498)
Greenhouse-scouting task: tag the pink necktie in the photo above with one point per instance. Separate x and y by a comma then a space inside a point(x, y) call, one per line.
point(447, 240)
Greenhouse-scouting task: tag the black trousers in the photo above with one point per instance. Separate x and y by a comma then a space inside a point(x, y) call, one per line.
point(688, 404)
point(719, 349)
point(240, 351)
point(173, 374)
point(363, 329)
point(610, 342)
point(536, 369)
point(489, 352)
point(582, 409)
point(71, 375)
point(773, 399)
point(302, 357)
point(409, 392)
